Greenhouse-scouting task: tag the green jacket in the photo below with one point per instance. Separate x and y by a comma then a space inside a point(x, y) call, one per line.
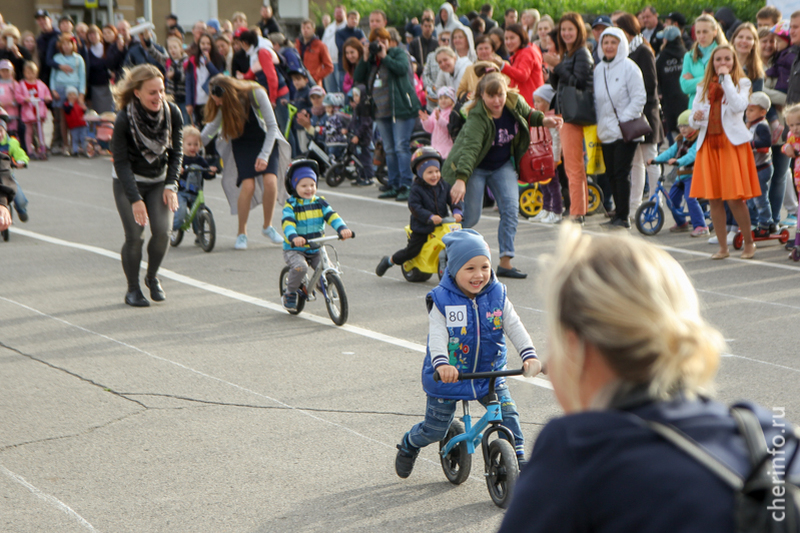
point(477, 135)
point(405, 103)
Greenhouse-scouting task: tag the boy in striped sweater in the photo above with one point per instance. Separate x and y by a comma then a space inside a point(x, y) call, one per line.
point(304, 217)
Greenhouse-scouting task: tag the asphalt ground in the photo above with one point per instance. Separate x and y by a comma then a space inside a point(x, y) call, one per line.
point(218, 411)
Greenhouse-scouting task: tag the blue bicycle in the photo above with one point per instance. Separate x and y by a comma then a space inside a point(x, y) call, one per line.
point(649, 218)
point(500, 461)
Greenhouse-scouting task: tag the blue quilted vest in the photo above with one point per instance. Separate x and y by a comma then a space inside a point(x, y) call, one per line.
point(476, 342)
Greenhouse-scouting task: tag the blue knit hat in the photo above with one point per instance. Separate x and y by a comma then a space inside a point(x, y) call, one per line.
point(214, 23)
point(302, 173)
point(463, 245)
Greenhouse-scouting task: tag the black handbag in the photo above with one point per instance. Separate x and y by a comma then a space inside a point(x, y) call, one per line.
point(577, 106)
point(631, 129)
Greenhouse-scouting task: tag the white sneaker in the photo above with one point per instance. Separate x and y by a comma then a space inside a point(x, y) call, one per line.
point(731, 235)
point(713, 240)
point(553, 218)
point(272, 234)
point(541, 216)
point(241, 242)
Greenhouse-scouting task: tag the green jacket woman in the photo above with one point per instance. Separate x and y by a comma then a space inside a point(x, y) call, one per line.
point(487, 153)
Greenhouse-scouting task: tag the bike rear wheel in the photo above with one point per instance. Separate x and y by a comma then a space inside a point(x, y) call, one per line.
point(335, 298)
point(649, 218)
point(282, 282)
point(206, 229)
point(501, 472)
point(458, 463)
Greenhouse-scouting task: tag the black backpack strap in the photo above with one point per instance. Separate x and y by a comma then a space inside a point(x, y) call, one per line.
point(750, 428)
point(691, 448)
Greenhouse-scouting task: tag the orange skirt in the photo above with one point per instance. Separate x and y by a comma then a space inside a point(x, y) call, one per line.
point(723, 171)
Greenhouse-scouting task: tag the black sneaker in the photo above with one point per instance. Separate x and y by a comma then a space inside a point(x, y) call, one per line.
point(23, 215)
point(521, 462)
point(773, 229)
point(761, 233)
point(406, 456)
point(385, 188)
point(621, 223)
point(383, 266)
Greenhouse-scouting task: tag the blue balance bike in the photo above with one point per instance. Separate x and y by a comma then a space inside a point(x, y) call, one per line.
point(500, 460)
point(649, 218)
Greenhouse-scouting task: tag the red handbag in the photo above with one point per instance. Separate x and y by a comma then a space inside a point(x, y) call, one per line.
point(537, 163)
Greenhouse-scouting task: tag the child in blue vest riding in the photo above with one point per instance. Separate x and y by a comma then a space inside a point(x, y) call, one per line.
point(469, 314)
point(304, 218)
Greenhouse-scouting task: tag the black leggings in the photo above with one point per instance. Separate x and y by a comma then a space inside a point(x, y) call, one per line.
point(160, 225)
point(412, 250)
point(618, 157)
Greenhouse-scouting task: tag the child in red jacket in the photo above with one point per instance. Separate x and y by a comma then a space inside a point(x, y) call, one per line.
point(73, 114)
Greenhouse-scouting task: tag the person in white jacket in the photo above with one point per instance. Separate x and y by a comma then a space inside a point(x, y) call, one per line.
point(619, 96)
point(724, 170)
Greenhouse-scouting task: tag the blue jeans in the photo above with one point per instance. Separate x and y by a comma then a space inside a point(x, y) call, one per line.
point(440, 412)
point(79, 136)
point(760, 208)
point(20, 200)
point(185, 201)
point(503, 185)
point(781, 172)
point(680, 190)
point(396, 136)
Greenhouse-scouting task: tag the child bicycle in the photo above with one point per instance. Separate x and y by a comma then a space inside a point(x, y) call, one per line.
point(649, 218)
point(204, 228)
point(326, 277)
point(500, 461)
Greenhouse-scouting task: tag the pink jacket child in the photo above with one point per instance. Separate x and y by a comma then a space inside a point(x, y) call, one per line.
point(436, 123)
point(25, 92)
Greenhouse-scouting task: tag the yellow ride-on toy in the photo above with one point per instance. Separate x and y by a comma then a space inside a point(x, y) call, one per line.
point(432, 259)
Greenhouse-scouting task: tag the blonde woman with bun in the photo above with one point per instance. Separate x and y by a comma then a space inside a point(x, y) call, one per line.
point(628, 344)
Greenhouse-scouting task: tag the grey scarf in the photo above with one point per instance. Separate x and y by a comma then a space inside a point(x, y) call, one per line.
point(152, 132)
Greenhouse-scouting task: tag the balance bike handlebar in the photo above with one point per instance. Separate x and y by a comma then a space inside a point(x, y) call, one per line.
point(316, 243)
point(481, 375)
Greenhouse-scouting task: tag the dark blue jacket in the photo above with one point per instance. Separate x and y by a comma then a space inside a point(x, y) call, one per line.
point(137, 55)
point(344, 34)
point(43, 46)
point(425, 201)
point(604, 472)
point(478, 346)
point(191, 77)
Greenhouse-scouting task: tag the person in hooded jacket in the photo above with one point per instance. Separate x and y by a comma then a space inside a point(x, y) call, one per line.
point(728, 21)
point(448, 21)
point(669, 64)
point(641, 54)
point(619, 96)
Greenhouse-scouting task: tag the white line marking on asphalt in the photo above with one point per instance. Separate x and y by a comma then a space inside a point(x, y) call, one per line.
point(55, 502)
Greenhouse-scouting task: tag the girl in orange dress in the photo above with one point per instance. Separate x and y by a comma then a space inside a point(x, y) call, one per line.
point(724, 170)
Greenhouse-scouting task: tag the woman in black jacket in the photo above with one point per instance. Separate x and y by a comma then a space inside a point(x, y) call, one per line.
point(642, 54)
point(99, 58)
point(669, 64)
point(573, 65)
point(147, 150)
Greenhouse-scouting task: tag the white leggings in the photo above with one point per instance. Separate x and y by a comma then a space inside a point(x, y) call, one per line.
point(644, 153)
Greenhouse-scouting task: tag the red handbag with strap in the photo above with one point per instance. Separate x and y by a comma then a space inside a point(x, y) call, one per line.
point(537, 163)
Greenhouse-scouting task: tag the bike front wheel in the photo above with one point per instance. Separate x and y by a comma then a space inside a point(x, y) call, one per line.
point(335, 175)
point(649, 218)
point(335, 298)
point(458, 463)
point(176, 237)
point(206, 230)
point(501, 472)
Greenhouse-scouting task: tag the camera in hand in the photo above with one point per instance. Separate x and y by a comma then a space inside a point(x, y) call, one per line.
point(374, 48)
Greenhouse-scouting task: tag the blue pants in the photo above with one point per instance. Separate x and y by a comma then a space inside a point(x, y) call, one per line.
point(760, 208)
point(79, 136)
point(503, 185)
point(185, 201)
point(677, 193)
point(20, 200)
point(440, 412)
point(780, 174)
point(396, 135)
point(365, 158)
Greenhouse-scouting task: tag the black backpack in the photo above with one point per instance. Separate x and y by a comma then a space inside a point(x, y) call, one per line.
point(457, 119)
point(762, 505)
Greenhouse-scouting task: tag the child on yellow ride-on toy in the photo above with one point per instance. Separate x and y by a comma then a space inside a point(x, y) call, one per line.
point(428, 201)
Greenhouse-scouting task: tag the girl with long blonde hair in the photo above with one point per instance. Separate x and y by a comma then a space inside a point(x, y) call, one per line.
point(708, 36)
point(253, 150)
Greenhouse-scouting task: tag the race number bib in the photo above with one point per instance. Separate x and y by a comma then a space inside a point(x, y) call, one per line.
point(455, 316)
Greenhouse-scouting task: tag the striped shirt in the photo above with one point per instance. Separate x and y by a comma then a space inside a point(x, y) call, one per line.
point(306, 218)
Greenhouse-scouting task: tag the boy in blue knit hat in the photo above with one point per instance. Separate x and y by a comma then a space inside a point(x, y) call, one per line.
point(304, 218)
point(468, 314)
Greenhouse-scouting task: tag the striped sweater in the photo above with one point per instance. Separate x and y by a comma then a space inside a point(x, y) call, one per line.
point(307, 218)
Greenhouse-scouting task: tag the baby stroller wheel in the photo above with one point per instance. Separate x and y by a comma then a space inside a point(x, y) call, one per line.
point(207, 230)
point(530, 201)
point(501, 472)
point(301, 301)
point(458, 463)
point(649, 218)
point(335, 175)
point(176, 237)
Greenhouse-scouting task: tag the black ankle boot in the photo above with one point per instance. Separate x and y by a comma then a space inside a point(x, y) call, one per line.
point(156, 292)
point(135, 298)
